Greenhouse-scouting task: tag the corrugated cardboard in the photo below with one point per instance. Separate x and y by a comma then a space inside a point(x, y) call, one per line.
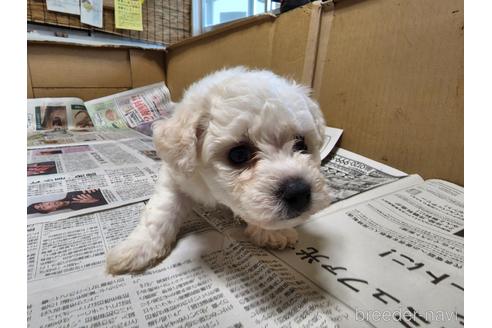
point(391, 75)
point(146, 67)
point(90, 72)
point(389, 72)
point(277, 43)
point(64, 66)
point(82, 93)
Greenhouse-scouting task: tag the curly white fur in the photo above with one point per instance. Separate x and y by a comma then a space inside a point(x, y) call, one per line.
point(217, 113)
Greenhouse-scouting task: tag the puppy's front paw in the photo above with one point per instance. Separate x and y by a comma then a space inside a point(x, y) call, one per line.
point(278, 239)
point(133, 256)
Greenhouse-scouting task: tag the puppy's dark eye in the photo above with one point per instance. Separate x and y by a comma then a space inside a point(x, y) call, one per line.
point(240, 154)
point(300, 145)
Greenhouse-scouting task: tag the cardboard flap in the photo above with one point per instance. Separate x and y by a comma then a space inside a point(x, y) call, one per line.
point(265, 41)
point(390, 73)
point(64, 66)
point(89, 72)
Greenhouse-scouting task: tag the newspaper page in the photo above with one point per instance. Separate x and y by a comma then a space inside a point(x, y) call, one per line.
point(64, 137)
point(396, 260)
point(214, 276)
point(80, 178)
point(73, 179)
point(208, 280)
point(211, 278)
point(57, 113)
point(215, 279)
point(349, 174)
point(136, 108)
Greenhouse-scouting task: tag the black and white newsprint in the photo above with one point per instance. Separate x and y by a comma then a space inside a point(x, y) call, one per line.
point(68, 180)
point(387, 253)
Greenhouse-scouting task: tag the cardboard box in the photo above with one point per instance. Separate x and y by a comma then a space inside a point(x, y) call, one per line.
point(389, 72)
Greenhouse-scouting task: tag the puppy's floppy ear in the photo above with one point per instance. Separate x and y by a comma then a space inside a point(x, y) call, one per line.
point(177, 138)
point(316, 114)
point(318, 118)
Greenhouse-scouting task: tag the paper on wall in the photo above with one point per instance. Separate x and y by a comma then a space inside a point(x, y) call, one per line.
point(64, 6)
point(128, 14)
point(91, 12)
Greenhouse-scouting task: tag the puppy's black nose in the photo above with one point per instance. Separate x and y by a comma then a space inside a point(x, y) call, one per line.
point(295, 193)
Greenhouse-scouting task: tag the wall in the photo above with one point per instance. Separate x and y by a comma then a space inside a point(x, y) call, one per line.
point(278, 44)
point(89, 72)
point(390, 73)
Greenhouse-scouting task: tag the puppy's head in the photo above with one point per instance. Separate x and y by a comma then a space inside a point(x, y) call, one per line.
point(253, 138)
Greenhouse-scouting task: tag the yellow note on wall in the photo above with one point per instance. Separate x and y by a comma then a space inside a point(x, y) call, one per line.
point(128, 14)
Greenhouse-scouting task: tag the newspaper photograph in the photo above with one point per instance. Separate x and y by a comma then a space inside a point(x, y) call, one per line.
point(104, 114)
point(65, 195)
point(136, 108)
point(46, 114)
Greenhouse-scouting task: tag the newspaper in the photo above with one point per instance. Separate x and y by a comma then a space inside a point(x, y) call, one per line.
point(342, 273)
point(365, 264)
point(57, 113)
point(69, 180)
point(70, 119)
point(397, 259)
point(331, 138)
point(64, 137)
point(136, 108)
point(388, 252)
point(349, 174)
point(76, 178)
point(208, 280)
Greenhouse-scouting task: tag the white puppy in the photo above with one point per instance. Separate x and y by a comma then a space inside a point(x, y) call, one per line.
point(247, 139)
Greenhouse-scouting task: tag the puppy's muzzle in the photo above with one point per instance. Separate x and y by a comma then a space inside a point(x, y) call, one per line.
point(295, 196)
